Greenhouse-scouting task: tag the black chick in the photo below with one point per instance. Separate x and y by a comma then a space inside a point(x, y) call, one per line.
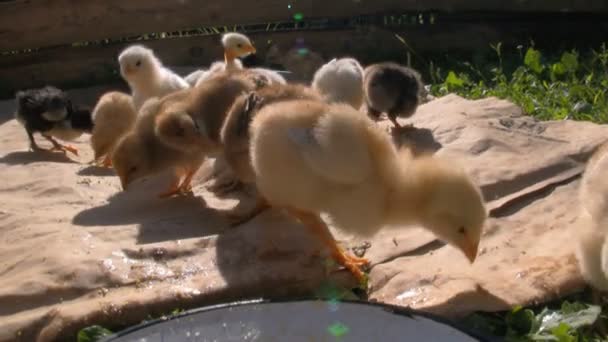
point(49, 111)
point(392, 89)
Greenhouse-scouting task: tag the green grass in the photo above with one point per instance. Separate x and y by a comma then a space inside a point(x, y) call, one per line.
point(570, 319)
point(553, 86)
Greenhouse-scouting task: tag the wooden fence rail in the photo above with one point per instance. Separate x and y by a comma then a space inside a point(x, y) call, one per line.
point(39, 23)
point(359, 28)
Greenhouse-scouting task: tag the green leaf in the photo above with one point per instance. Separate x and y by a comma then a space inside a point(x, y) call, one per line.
point(558, 69)
point(93, 333)
point(521, 320)
point(569, 61)
point(454, 81)
point(532, 60)
point(574, 319)
point(562, 333)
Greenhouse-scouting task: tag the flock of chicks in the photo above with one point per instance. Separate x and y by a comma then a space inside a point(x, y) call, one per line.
point(306, 149)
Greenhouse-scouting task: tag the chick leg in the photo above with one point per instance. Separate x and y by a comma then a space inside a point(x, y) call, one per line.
point(59, 147)
point(393, 119)
point(33, 145)
point(107, 162)
point(236, 219)
point(319, 228)
point(186, 185)
point(173, 189)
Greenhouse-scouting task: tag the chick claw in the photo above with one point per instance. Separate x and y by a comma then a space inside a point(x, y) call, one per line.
point(176, 190)
point(356, 260)
point(64, 148)
point(350, 263)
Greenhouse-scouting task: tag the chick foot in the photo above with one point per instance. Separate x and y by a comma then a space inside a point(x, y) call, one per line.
point(356, 260)
point(176, 188)
point(59, 147)
point(319, 228)
point(107, 162)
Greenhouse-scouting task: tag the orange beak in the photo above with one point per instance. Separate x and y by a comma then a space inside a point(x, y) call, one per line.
point(249, 49)
point(469, 248)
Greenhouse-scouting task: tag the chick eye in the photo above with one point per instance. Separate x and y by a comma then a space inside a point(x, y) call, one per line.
point(239, 45)
point(138, 63)
point(461, 230)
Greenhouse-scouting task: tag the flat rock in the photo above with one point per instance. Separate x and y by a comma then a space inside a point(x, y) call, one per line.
point(76, 251)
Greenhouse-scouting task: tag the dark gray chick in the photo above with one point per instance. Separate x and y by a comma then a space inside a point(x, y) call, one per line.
point(49, 112)
point(392, 89)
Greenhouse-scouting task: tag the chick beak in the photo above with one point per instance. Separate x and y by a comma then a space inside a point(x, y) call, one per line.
point(128, 70)
point(469, 249)
point(250, 49)
point(124, 182)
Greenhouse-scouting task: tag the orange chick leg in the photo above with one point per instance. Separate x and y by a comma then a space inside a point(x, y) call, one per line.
point(107, 162)
point(59, 147)
point(319, 228)
point(260, 205)
point(186, 185)
point(179, 187)
point(173, 189)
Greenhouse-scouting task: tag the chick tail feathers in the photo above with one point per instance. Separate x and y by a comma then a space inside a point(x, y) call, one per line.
point(335, 148)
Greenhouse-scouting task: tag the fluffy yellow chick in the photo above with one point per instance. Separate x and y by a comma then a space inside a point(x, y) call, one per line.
point(140, 153)
point(592, 249)
point(146, 75)
point(311, 158)
point(340, 80)
point(114, 116)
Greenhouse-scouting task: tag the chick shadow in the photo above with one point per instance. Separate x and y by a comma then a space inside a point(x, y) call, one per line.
point(273, 256)
point(420, 140)
point(30, 157)
point(97, 171)
point(158, 219)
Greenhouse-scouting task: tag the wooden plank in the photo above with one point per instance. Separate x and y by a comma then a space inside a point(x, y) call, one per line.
point(40, 23)
point(92, 65)
point(98, 64)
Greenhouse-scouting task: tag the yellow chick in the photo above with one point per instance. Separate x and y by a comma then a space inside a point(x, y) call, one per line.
point(114, 116)
point(146, 75)
point(235, 45)
point(235, 133)
point(592, 248)
point(340, 80)
point(141, 154)
point(310, 158)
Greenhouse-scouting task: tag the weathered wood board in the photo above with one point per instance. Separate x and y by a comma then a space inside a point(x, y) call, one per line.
point(29, 24)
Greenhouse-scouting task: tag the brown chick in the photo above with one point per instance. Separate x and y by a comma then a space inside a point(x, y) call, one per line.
point(141, 154)
point(235, 132)
point(196, 124)
point(113, 116)
point(311, 158)
point(592, 248)
point(392, 89)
